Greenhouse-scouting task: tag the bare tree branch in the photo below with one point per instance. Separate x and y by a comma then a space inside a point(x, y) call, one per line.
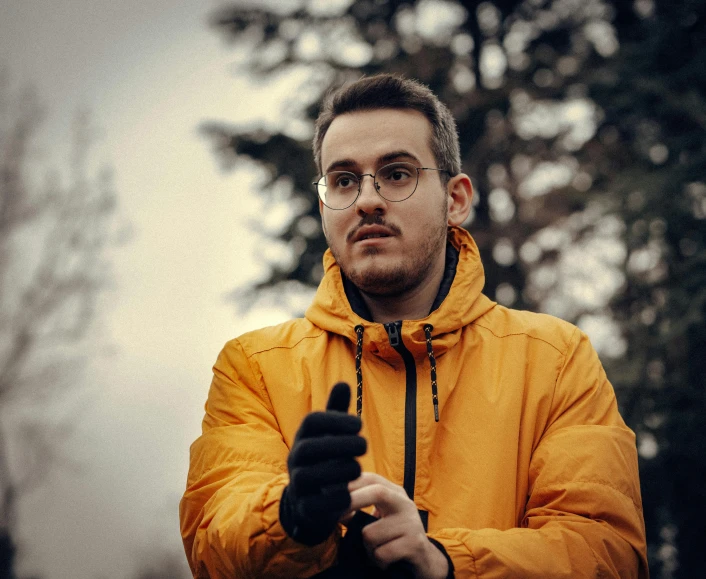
point(52, 269)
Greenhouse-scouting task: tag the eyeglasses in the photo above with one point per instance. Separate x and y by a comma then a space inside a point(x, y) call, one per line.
point(394, 182)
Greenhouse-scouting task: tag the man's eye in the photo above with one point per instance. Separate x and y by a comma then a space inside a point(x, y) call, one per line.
point(397, 175)
point(345, 181)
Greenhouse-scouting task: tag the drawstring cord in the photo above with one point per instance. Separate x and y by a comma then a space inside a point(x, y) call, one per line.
point(432, 361)
point(358, 372)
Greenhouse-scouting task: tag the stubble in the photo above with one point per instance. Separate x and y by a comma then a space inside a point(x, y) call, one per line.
point(380, 280)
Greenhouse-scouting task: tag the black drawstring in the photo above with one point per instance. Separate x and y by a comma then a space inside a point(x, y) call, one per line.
point(358, 372)
point(432, 361)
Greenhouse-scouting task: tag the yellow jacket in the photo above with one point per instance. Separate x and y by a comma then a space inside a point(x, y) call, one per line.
point(530, 471)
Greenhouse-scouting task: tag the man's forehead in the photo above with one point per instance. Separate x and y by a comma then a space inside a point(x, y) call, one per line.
point(374, 136)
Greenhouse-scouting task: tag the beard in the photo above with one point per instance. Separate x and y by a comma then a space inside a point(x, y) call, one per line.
point(380, 280)
point(398, 279)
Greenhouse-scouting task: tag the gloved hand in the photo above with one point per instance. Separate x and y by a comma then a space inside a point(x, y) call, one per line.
point(321, 464)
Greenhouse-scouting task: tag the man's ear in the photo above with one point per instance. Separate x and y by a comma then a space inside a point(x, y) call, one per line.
point(460, 195)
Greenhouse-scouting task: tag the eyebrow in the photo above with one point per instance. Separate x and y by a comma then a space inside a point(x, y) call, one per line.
point(347, 164)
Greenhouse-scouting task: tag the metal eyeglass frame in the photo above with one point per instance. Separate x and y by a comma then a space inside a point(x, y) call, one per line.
point(359, 179)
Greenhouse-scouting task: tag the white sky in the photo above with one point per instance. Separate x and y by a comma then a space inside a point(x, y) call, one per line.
point(150, 71)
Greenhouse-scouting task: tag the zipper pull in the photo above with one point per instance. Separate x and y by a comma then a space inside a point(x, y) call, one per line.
point(393, 333)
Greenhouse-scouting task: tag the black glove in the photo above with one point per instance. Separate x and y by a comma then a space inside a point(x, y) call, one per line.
point(321, 464)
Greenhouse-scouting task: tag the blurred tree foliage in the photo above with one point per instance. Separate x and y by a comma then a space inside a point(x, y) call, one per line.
point(53, 235)
point(583, 127)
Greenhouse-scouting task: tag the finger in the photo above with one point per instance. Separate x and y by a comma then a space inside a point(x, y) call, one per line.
point(340, 398)
point(320, 423)
point(390, 528)
point(370, 478)
point(311, 479)
point(319, 449)
point(383, 498)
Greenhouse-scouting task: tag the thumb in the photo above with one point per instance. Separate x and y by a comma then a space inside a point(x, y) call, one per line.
point(340, 398)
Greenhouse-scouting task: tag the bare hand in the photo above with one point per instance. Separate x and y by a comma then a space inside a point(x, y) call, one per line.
point(399, 533)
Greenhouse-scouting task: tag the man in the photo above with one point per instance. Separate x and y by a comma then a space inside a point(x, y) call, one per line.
point(491, 444)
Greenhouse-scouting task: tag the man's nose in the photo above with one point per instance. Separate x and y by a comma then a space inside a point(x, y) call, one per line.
point(369, 199)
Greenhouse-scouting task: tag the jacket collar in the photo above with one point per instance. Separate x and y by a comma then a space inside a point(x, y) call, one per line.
point(457, 306)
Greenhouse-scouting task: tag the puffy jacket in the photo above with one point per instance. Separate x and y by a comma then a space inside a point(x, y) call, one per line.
point(529, 472)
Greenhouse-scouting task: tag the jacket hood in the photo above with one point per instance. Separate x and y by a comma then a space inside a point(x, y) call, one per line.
point(464, 303)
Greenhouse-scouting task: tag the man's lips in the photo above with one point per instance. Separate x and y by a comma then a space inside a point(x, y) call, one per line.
point(372, 232)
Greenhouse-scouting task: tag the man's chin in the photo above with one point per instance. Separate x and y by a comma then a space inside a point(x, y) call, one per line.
point(379, 282)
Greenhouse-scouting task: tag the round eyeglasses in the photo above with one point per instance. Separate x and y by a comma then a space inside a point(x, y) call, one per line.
point(394, 182)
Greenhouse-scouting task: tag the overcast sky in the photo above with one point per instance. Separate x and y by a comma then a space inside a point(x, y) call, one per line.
point(150, 71)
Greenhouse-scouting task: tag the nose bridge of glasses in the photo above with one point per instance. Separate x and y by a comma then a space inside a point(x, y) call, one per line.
point(369, 196)
point(361, 181)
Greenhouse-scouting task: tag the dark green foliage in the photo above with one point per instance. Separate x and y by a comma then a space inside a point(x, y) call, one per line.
point(655, 99)
point(635, 71)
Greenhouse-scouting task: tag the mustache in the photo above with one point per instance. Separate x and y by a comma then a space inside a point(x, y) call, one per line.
point(373, 219)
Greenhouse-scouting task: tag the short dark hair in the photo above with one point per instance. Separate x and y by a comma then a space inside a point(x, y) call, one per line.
point(391, 91)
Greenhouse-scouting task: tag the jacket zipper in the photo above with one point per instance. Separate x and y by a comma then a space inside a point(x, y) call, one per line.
point(410, 406)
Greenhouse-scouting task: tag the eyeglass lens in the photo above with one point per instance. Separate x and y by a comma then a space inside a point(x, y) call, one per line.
point(394, 182)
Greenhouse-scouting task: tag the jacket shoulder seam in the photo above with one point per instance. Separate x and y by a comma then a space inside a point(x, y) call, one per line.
point(565, 356)
point(258, 378)
point(526, 334)
point(282, 346)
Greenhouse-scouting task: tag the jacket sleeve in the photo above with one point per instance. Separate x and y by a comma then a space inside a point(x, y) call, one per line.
point(583, 516)
point(230, 511)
